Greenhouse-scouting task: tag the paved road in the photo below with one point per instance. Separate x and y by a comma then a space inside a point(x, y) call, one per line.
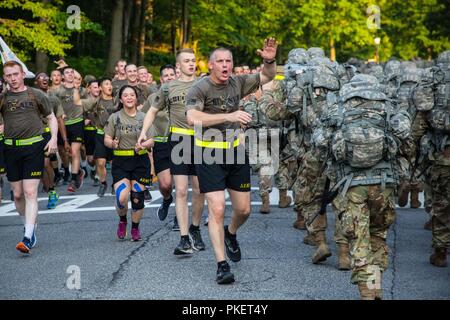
point(79, 238)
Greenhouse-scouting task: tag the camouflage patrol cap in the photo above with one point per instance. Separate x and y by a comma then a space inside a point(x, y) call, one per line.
point(444, 57)
point(316, 52)
point(88, 78)
point(298, 56)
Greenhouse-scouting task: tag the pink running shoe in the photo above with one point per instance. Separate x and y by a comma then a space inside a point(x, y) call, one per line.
point(122, 230)
point(135, 234)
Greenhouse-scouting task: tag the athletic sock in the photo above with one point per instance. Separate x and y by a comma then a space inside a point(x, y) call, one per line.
point(29, 229)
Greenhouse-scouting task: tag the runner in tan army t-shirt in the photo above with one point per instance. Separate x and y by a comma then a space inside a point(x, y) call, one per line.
point(21, 109)
point(172, 96)
point(159, 132)
point(214, 103)
point(130, 166)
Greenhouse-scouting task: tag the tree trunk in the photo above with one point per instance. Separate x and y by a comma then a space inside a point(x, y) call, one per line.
point(149, 16)
point(41, 57)
point(126, 29)
point(142, 33)
point(173, 28)
point(184, 24)
point(135, 31)
point(115, 49)
point(41, 62)
point(332, 49)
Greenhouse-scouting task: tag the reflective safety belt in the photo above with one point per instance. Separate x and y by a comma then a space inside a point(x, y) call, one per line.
point(73, 121)
point(23, 142)
point(160, 139)
point(100, 131)
point(128, 153)
point(186, 132)
point(216, 144)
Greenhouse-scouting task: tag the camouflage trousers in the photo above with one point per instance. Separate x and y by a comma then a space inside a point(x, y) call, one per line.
point(269, 166)
point(308, 189)
point(440, 185)
point(365, 223)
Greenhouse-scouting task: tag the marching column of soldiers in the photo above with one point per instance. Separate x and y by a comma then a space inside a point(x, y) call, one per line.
point(361, 138)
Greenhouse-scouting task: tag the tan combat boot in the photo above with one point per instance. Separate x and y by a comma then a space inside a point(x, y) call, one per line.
point(322, 252)
point(415, 203)
point(285, 200)
point(365, 293)
point(439, 257)
point(310, 240)
point(343, 257)
point(265, 208)
point(300, 222)
point(403, 192)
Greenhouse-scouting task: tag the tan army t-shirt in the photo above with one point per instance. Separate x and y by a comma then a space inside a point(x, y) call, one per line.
point(22, 117)
point(209, 97)
point(160, 125)
point(100, 109)
point(125, 128)
point(71, 111)
point(177, 91)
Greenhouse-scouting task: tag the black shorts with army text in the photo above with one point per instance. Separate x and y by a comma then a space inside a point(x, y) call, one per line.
point(25, 161)
point(135, 167)
point(233, 174)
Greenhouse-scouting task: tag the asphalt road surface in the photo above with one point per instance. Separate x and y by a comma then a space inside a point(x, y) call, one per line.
point(79, 257)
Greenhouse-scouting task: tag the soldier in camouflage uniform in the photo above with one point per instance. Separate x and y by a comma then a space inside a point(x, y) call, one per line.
point(433, 99)
point(255, 105)
point(364, 132)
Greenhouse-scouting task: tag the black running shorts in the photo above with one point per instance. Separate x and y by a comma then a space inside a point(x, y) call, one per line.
point(161, 156)
point(101, 151)
point(132, 168)
point(24, 162)
point(221, 176)
point(182, 155)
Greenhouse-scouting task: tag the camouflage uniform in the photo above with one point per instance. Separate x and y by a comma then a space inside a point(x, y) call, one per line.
point(434, 100)
point(365, 176)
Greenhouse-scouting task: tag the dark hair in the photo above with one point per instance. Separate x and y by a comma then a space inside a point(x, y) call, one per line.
point(100, 81)
point(93, 81)
point(65, 68)
point(122, 89)
point(167, 66)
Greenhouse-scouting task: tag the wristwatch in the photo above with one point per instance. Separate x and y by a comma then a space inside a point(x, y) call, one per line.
point(269, 62)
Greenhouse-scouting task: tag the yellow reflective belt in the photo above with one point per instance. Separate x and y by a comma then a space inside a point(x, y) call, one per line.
point(23, 142)
point(279, 77)
point(160, 139)
point(187, 132)
point(216, 144)
point(46, 129)
point(100, 131)
point(90, 128)
point(128, 153)
point(73, 121)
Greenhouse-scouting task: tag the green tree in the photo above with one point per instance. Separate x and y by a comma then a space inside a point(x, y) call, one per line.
point(22, 28)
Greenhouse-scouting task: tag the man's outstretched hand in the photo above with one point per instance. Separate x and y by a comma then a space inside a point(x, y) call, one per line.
point(269, 50)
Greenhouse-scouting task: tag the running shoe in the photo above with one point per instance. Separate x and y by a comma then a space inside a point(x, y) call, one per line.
point(33, 240)
point(232, 246)
point(163, 209)
point(224, 275)
point(175, 226)
point(197, 240)
point(147, 195)
point(184, 247)
point(122, 230)
point(80, 179)
point(66, 178)
point(135, 234)
point(101, 190)
point(53, 198)
point(71, 187)
point(24, 246)
point(206, 222)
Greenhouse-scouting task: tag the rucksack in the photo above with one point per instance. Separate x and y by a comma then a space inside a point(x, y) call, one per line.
point(363, 123)
point(439, 116)
point(406, 83)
